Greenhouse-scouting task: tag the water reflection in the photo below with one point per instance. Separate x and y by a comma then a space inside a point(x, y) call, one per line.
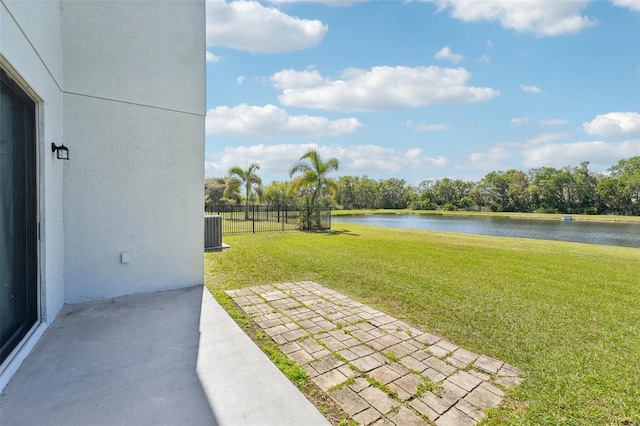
point(616, 234)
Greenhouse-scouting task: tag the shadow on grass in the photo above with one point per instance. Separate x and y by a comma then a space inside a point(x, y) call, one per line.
point(332, 232)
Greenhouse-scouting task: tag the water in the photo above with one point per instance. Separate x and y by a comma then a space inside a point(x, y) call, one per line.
point(615, 234)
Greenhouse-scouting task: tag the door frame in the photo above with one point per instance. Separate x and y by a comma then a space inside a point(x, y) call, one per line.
point(16, 79)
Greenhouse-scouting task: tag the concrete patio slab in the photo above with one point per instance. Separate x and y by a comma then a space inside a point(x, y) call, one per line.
point(166, 358)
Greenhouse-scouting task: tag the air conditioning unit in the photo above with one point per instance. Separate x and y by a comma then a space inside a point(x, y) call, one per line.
point(213, 232)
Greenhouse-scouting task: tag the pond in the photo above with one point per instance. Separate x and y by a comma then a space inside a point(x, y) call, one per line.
point(615, 234)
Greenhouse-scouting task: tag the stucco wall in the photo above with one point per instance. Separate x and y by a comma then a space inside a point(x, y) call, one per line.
point(122, 84)
point(31, 44)
point(31, 51)
point(134, 105)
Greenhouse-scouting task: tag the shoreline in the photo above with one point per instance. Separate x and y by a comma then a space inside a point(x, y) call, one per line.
point(507, 215)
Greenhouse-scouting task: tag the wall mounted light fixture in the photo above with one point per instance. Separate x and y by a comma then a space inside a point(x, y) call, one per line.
point(62, 152)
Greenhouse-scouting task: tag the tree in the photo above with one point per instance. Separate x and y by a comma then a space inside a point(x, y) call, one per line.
point(620, 190)
point(448, 191)
point(213, 192)
point(314, 177)
point(248, 178)
point(232, 191)
point(518, 196)
point(551, 189)
point(424, 196)
point(314, 174)
point(367, 195)
point(221, 192)
point(279, 194)
point(493, 191)
point(585, 189)
point(394, 193)
point(347, 191)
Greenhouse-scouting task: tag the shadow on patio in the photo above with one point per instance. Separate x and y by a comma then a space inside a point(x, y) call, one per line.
point(171, 358)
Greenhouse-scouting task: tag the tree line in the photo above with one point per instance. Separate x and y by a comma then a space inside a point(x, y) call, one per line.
point(568, 190)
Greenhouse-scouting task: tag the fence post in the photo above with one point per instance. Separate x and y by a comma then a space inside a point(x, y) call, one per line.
point(253, 219)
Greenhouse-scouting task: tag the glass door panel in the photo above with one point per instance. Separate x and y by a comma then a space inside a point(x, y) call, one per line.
point(18, 216)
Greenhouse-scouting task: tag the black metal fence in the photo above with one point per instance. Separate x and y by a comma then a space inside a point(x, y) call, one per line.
point(240, 219)
point(315, 217)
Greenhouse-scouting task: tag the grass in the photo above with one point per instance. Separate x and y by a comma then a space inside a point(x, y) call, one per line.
point(567, 314)
point(296, 374)
point(426, 385)
point(384, 388)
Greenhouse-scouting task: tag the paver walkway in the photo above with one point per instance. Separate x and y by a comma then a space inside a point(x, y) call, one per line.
point(354, 352)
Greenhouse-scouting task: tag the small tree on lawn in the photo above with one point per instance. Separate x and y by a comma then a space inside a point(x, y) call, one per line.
point(248, 178)
point(314, 177)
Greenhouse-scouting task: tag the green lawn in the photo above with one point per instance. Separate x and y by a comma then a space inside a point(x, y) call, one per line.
point(567, 314)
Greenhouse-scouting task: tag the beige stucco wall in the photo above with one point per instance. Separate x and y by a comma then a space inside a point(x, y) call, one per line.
point(31, 52)
point(122, 85)
point(134, 107)
point(31, 46)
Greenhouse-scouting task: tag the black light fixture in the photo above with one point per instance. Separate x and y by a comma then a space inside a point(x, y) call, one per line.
point(62, 152)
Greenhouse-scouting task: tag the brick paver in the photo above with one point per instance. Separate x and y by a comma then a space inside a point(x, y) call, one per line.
point(406, 417)
point(367, 416)
point(356, 353)
point(379, 400)
point(350, 402)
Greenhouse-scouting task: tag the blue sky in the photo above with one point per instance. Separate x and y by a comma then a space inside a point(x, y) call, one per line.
point(422, 89)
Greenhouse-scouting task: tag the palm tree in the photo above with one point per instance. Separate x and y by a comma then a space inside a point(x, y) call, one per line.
point(231, 194)
point(314, 176)
point(248, 177)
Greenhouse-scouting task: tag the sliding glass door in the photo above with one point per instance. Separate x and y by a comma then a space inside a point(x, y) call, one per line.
point(18, 216)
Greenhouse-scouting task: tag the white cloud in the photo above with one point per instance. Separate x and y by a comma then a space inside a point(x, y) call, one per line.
point(631, 4)
point(614, 124)
point(599, 153)
point(327, 2)
point(541, 17)
point(361, 159)
point(247, 25)
point(485, 59)
point(446, 54)
point(275, 160)
point(548, 138)
point(553, 122)
point(271, 121)
point(495, 153)
point(489, 45)
point(381, 88)
point(241, 79)
point(292, 79)
point(211, 57)
point(486, 160)
point(423, 127)
point(519, 121)
point(530, 89)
